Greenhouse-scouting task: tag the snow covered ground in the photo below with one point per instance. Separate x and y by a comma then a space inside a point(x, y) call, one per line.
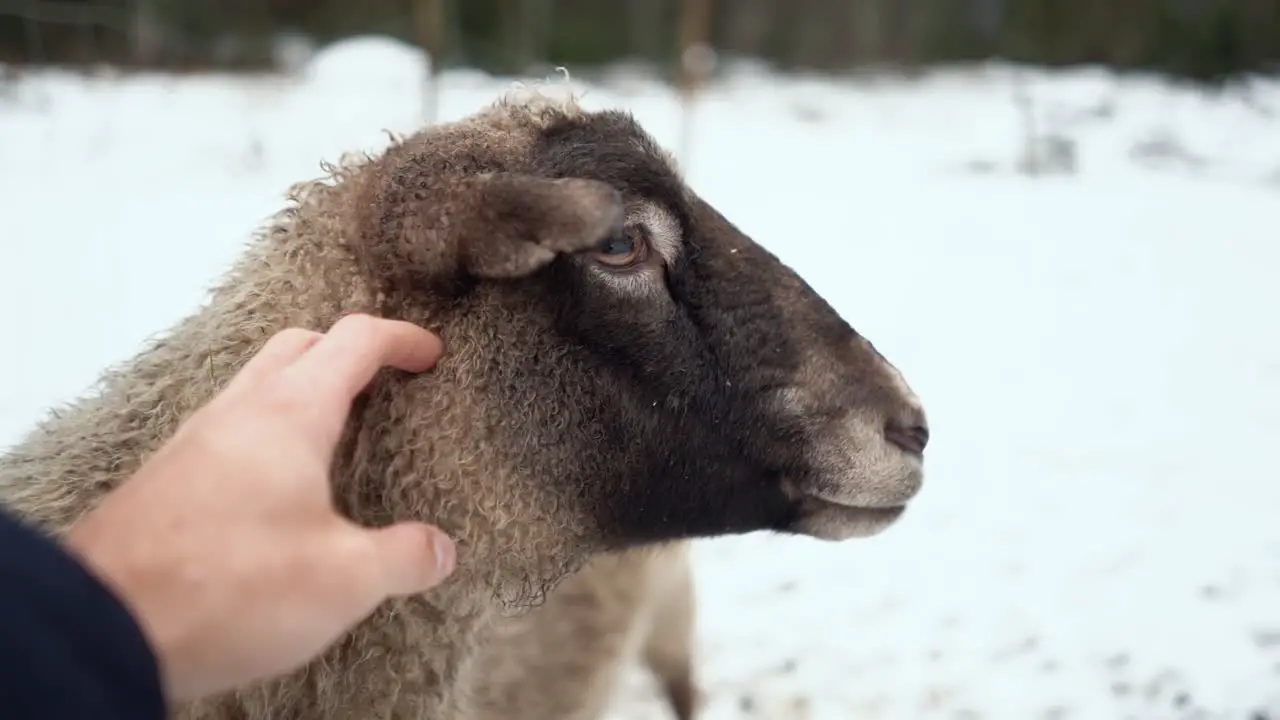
point(1099, 534)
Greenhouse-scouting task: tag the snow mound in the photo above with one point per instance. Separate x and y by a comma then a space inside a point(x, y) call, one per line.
point(369, 61)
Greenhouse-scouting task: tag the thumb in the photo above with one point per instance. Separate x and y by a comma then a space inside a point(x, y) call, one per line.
point(415, 557)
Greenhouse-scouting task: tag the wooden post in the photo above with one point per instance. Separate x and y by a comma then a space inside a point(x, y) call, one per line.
point(1029, 161)
point(31, 27)
point(646, 24)
point(143, 31)
point(528, 42)
point(429, 23)
point(697, 60)
point(511, 36)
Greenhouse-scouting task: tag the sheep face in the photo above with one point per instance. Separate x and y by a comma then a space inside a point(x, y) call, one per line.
point(649, 369)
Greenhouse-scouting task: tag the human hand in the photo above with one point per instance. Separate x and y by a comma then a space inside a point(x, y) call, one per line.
point(225, 544)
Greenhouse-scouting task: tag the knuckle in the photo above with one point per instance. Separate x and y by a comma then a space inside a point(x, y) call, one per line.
point(354, 550)
point(278, 396)
point(360, 325)
point(291, 336)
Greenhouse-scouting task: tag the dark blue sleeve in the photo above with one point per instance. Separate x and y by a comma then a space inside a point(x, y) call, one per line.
point(68, 647)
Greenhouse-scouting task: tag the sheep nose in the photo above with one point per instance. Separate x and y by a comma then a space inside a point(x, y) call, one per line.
point(911, 436)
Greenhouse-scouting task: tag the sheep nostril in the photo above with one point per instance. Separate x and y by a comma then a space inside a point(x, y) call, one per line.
point(911, 438)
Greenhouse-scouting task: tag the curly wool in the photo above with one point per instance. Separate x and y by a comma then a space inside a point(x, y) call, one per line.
point(305, 268)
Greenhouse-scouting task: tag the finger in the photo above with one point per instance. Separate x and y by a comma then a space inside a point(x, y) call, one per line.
point(344, 361)
point(411, 557)
point(282, 348)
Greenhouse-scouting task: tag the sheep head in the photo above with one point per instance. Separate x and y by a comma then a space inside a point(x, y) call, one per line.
point(623, 366)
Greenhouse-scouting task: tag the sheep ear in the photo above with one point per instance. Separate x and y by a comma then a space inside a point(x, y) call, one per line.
point(526, 221)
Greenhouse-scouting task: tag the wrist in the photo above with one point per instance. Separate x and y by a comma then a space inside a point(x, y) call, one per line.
point(127, 587)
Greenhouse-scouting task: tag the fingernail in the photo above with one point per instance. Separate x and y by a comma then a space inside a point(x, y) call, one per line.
point(445, 553)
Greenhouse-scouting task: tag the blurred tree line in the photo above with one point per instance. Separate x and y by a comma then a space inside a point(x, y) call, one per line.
point(1200, 39)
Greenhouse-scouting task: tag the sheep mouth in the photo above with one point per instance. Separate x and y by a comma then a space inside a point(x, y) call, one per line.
point(825, 519)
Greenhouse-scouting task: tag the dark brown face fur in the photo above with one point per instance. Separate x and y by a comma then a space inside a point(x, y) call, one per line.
point(673, 379)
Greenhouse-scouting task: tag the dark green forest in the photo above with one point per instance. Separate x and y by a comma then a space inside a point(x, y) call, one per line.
point(1198, 39)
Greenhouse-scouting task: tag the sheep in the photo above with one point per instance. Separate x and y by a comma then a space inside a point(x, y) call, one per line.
point(623, 607)
point(625, 371)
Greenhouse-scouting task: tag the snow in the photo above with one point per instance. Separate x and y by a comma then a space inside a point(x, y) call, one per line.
point(366, 62)
point(1098, 351)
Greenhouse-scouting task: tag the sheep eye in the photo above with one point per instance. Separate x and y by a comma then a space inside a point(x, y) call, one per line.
point(620, 245)
point(623, 250)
